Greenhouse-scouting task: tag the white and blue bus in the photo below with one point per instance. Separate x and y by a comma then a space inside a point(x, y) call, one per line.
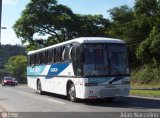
point(83, 68)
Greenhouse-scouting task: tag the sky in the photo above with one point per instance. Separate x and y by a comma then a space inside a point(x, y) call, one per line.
point(11, 11)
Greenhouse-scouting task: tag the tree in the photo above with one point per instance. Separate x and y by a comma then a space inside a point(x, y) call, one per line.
point(57, 22)
point(124, 26)
point(89, 25)
point(148, 50)
point(43, 17)
point(17, 66)
point(121, 18)
point(6, 51)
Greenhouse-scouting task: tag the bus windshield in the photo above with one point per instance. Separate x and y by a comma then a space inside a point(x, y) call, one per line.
point(104, 59)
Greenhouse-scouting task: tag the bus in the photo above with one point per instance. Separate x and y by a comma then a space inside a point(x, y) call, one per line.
point(81, 68)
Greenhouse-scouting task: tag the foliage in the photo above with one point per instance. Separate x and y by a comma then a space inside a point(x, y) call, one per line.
point(148, 51)
point(148, 93)
point(43, 17)
point(17, 66)
point(144, 75)
point(57, 22)
point(138, 26)
point(4, 73)
point(6, 51)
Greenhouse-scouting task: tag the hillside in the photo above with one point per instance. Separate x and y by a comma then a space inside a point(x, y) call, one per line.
point(6, 51)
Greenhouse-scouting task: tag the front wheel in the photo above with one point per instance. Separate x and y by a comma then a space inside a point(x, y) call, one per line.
point(39, 88)
point(72, 93)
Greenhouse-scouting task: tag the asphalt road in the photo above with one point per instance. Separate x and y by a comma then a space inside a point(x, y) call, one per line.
point(24, 102)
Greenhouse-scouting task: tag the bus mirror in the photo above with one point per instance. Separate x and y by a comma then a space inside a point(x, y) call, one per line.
point(70, 50)
point(33, 65)
point(63, 55)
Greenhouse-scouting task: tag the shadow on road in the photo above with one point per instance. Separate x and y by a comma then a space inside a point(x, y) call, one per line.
point(121, 102)
point(54, 95)
point(127, 102)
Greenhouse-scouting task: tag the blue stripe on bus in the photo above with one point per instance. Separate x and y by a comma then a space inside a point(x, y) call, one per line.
point(36, 70)
point(56, 69)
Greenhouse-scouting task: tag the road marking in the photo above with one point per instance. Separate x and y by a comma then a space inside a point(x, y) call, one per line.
point(25, 93)
point(52, 100)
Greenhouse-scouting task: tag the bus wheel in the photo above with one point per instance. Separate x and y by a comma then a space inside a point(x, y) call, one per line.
point(39, 88)
point(72, 93)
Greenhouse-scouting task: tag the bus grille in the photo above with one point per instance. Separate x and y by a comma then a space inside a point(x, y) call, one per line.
point(108, 92)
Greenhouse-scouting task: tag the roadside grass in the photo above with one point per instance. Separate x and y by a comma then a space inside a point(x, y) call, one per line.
point(147, 90)
point(146, 93)
point(145, 86)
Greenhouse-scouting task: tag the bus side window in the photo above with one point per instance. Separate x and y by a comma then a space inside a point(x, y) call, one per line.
point(46, 57)
point(53, 55)
point(28, 60)
point(37, 59)
point(40, 58)
point(33, 59)
point(58, 54)
point(43, 57)
point(49, 56)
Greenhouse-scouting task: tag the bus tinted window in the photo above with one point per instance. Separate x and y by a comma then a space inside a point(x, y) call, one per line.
point(28, 60)
point(46, 57)
point(58, 55)
point(50, 54)
point(37, 59)
point(33, 59)
point(66, 53)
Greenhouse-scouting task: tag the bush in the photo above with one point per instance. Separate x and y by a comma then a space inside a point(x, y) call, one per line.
point(145, 75)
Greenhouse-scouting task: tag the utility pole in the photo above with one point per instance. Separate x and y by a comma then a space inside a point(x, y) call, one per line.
point(0, 18)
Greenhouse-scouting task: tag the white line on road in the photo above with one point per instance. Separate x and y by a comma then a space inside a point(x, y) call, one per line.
point(52, 100)
point(29, 94)
point(25, 93)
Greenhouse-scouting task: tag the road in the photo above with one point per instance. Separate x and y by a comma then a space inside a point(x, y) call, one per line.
point(25, 101)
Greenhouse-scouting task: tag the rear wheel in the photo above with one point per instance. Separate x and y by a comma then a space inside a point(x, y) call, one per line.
point(72, 93)
point(39, 88)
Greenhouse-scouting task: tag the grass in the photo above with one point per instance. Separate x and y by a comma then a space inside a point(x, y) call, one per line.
point(145, 86)
point(138, 89)
point(146, 93)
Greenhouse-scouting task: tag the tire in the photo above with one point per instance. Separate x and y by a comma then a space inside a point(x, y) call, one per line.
point(72, 93)
point(39, 88)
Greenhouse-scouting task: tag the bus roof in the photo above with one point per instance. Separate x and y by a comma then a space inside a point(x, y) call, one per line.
point(80, 41)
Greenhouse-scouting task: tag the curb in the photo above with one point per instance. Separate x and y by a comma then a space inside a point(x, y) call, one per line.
point(153, 98)
point(146, 89)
